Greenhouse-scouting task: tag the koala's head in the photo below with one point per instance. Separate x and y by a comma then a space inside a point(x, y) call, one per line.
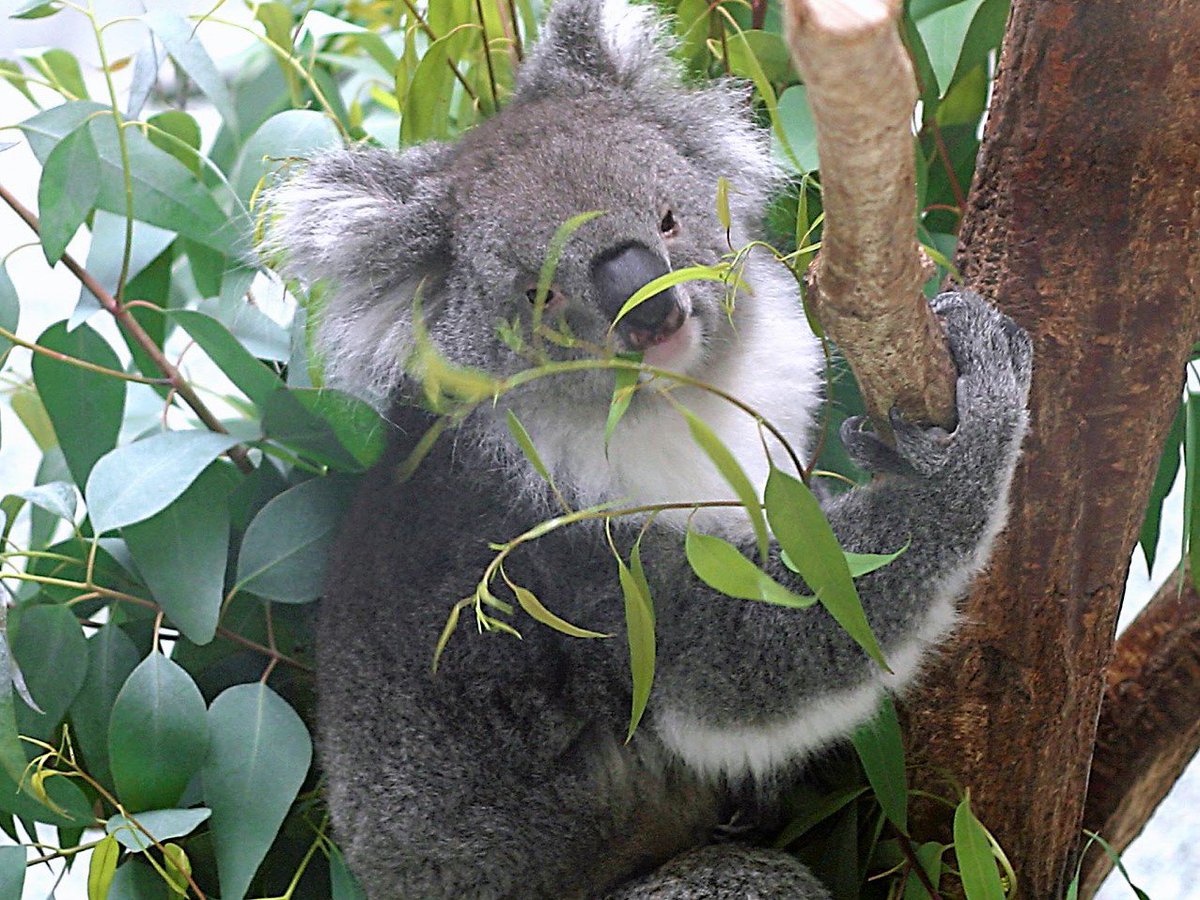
point(600, 121)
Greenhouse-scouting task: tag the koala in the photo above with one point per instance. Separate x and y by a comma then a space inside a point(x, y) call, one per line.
point(507, 772)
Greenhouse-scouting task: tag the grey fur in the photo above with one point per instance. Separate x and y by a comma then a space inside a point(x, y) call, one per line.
point(506, 774)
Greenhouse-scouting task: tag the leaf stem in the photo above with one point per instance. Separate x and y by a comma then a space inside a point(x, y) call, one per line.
point(79, 363)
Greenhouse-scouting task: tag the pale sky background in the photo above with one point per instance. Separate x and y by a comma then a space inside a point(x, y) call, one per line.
point(1165, 861)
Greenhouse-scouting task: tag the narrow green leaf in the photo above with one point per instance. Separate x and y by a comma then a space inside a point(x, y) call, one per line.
point(881, 751)
point(61, 68)
point(720, 272)
point(863, 563)
point(432, 87)
point(85, 407)
point(258, 756)
point(137, 480)
point(285, 549)
point(625, 385)
point(639, 625)
point(1164, 480)
point(722, 567)
point(929, 857)
point(157, 735)
point(10, 309)
point(71, 808)
point(723, 214)
point(805, 535)
point(102, 867)
point(558, 241)
point(533, 606)
point(525, 442)
point(12, 752)
point(181, 553)
point(163, 824)
point(343, 885)
point(1113, 855)
point(237, 363)
point(67, 191)
point(638, 571)
point(1191, 477)
point(36, 9)
point(830, 806)
point(976, 864)
point(326, 426)
point(111, 657)
point(179, 37)
point(49, 646)
point(733, 473)
point(12, 873)
point(753, 70)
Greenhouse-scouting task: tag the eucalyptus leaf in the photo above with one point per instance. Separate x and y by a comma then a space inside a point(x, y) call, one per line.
point(976, 864)
point(639, 625)
point(68, 190)
point(12, 872)
point(137, 480)
point(258, 757)
point(102, 867)
point(48, 644)
point(162, 824)
point(881, 751)
point(111, 657)
point(291, 134)
point(57, 498)
point(432, 87)
point(285, 549)
point(796, 121)
point(180, 40)
point(85, 407)
point(237, 363)
point(10, 309)
point(106, 255)
point(157, 735)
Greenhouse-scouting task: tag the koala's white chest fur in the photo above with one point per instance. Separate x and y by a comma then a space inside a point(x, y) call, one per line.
point(774, 367)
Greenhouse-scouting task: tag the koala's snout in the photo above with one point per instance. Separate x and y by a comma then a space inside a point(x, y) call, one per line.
point(617, 275)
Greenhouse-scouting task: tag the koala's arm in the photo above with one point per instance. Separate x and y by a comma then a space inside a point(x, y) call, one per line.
point(743, 685)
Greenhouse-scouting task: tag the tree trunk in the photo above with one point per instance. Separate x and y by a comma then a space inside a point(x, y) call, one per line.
point(1084, 225)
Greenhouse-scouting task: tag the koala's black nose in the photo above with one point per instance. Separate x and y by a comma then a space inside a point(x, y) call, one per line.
point(618, 274)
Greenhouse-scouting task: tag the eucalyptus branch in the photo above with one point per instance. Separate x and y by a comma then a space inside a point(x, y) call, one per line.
point(131, 326)
point(487, 55)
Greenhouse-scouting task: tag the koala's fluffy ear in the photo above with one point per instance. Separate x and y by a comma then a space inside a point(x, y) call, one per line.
point(371, 224)
point(607, 40)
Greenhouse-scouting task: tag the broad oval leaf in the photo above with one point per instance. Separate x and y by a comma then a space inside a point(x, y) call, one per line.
point(68, 190)
point(258, 756)
point(796, 121)
point(157, 735)
point(287, 135)
point(85, 407)
point(49, 646)
point(55, 497)
point(137, 480)
point(111, 656)
point(973, 850)
point(803, 532)
point(162, 824)
point(285, 549)
point(181, 553)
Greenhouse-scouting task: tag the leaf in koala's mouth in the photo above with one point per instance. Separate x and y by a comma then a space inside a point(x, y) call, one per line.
point(645, 338)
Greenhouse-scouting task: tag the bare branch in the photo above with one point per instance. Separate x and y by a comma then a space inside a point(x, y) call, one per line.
point(1149, 724)
point(866, 283)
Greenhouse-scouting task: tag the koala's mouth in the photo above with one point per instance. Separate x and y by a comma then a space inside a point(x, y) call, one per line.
point(642, 339)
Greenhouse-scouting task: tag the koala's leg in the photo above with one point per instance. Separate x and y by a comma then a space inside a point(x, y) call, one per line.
point(727, 872)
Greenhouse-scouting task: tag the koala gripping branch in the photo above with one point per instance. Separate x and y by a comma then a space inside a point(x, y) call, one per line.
point(866, 284)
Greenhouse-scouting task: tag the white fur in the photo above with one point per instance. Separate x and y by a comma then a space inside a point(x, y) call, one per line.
point(760, 750)
point(629, 31)
point(774, 367)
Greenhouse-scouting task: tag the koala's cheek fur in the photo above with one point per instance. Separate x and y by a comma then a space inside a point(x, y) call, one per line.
point(507, 774)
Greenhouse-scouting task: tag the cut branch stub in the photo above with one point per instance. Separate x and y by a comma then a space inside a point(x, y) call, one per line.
point(865, 286)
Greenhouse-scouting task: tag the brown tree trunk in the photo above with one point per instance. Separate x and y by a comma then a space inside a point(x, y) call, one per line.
point(1150, 724)
point(1084, 225)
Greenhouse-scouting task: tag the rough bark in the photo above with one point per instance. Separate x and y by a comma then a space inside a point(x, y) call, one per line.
point(1150, 722)
point(1084, 225)
point(866, 284)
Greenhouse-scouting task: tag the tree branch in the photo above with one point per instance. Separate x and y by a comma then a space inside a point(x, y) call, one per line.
point(1149, 724)
point(135, 331)
point(866, 283)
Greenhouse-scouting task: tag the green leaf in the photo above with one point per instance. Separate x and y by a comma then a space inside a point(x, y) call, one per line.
point(327, 426)
point(983, 36)
point(733, 473)
point(719, 272)
point(1113, 855)
point(181, 138)
point(929, 856)
point(1191, 476)
point(49, 646)
point(10, 309)
point(722, 567)
point(189, 54)
point(639, 626)
point(525, 442)
point(258, 756)
point(237, 363)
point(427, 104)
point(57, 498)
point(85, 407)
point(12, 872)
point(829, 806)
point(285, 549)
point(863, 563)
point(61, 68)
point(1164, 480)
point(157, 735)
point(291, 134)
point(943, 33)
point(805, 535)
point(137, 480)
point(165, 192)
point(181, 553)
point(624, 387)
point(106, 255)
point(796, 121)
point(343, 884)
point(36, 9)
point(976, 864)
point(163, 824)
point(74, 810)
point(533, 606)
point(927, 81)
point(102, 867)
point(12, 751)
point(881, 751)
point(135, 880)
point(761, 49)
point(111, 657)
point(67, 192)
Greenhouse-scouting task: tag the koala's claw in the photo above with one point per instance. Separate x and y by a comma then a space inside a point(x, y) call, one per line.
point(868, 451)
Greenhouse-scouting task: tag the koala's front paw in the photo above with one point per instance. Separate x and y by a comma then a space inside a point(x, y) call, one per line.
point(995, 361)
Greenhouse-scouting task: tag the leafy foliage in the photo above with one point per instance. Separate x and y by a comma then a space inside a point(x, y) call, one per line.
point(160, 631)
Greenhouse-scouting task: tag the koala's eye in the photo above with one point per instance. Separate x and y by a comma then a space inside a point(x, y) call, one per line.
point(669, 226)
